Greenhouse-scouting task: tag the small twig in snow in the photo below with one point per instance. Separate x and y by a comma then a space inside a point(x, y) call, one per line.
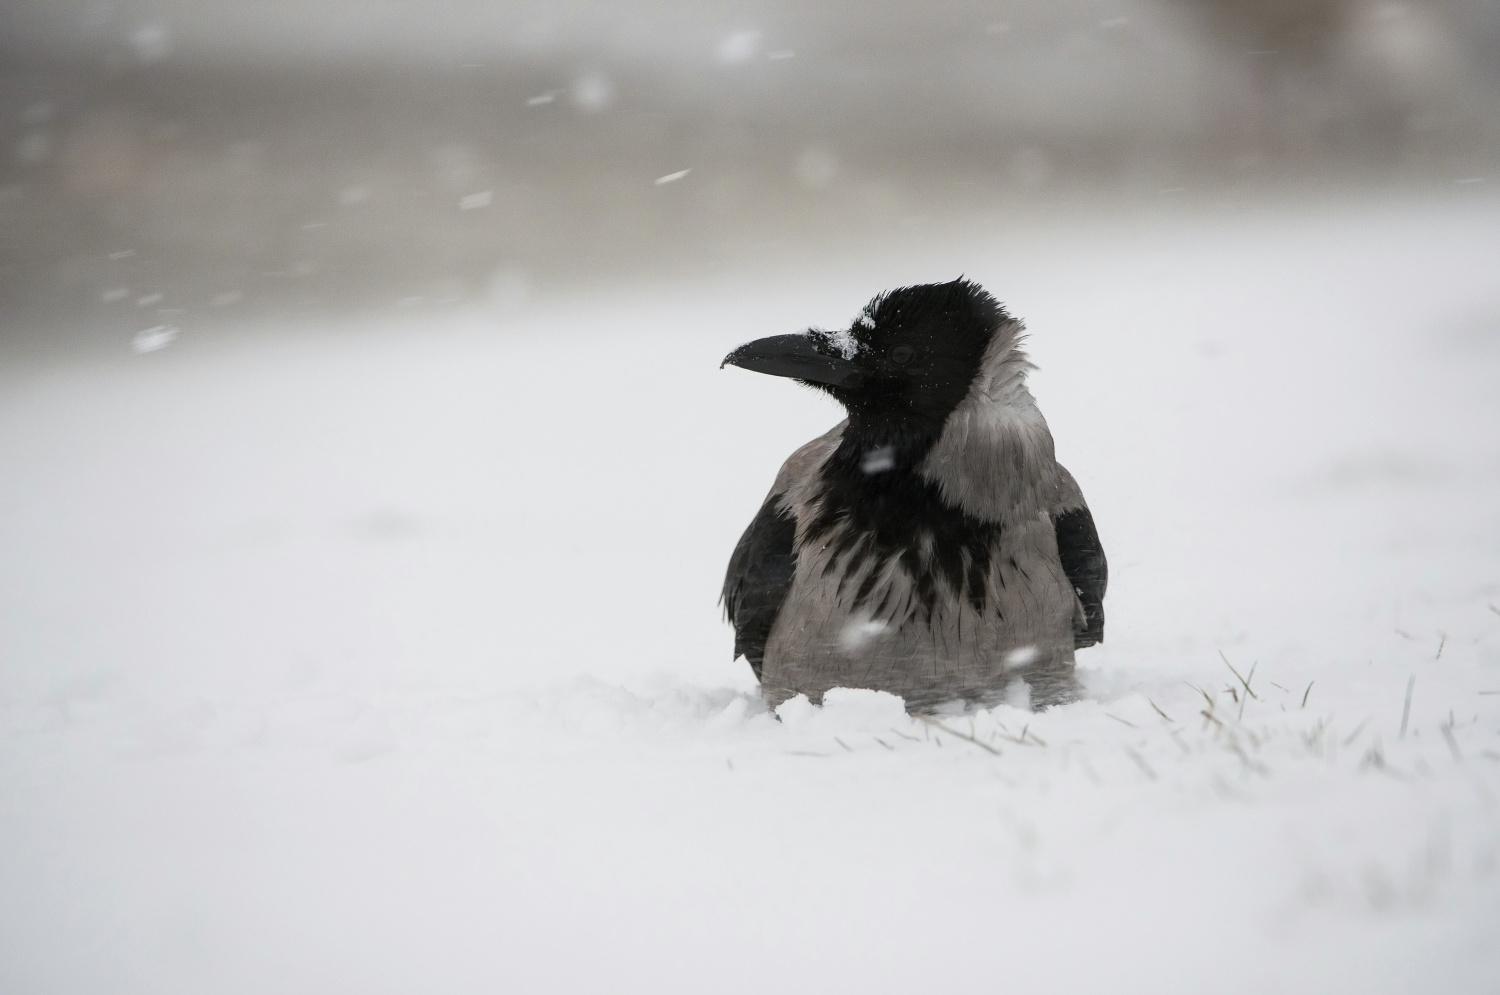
point(1357, 730)
point(882, 742)
point(842, 743)
point(1118, 719)
point(1406, 708)
point(903, 735)
point(1158, 710)
point(1443, 641)
point(1307, 692)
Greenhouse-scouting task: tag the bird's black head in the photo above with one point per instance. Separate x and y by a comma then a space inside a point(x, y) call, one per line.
point(907, 360)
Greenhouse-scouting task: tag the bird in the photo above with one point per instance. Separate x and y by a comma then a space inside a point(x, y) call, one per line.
point(929, 545)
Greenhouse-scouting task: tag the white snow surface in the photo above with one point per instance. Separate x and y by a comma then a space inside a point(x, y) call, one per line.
point(388, 659)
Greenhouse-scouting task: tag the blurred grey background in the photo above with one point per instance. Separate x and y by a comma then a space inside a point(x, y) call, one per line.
point(192, 164)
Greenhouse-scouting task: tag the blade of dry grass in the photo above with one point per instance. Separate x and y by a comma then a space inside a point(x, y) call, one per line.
point(1236, 673)
point(1140, 762)
point(1447, 728)
point(958, 735)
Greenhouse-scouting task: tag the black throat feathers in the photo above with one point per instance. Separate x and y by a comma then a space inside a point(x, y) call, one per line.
point(877, 512)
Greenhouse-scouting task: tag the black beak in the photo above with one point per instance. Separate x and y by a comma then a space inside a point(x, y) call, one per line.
point(794, 356)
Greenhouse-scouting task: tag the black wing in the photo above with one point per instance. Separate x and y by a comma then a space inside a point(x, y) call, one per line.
point(760, 574)
point(1083, 562)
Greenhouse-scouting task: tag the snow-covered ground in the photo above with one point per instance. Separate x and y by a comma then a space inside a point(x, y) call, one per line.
point(387, 658)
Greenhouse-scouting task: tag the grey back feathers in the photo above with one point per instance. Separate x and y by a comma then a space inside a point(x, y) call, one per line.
point(916, 547)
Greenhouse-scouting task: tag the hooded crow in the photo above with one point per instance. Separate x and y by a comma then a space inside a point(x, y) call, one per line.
point(929, 545)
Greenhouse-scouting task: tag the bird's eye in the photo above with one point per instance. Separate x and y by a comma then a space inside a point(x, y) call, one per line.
point(902, 354)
